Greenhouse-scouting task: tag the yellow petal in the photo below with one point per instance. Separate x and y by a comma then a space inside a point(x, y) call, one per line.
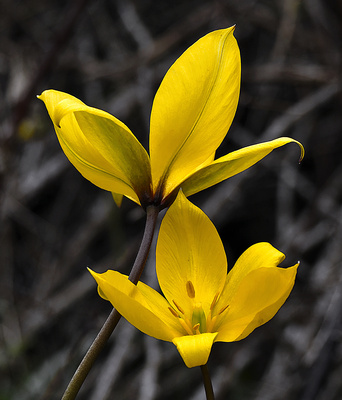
point(100, 146)
point(259, 255)
point(141, 305)
point(54, 100)
point(125, 154)
point(195, 349)
point(194, 108)
point(255, 289)
point(189, 249)
point(59, 104)
point(117, 199)
point(260, 295)
point(232, 164)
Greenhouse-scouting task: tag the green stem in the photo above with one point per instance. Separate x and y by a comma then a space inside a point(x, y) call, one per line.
point(207, 382)
point(114, 317)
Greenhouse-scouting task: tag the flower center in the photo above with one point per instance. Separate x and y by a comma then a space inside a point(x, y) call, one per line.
point(199, 319)
point(198, 322)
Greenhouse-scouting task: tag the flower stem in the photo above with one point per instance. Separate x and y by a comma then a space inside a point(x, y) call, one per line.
point(114, 317)
point(207, 382)
point(141, 258)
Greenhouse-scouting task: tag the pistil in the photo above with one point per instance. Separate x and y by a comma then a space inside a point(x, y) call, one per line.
point(199, 318)
point(199, 323)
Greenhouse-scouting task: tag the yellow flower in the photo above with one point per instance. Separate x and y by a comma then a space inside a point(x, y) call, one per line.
point(202, 304)
point(191, 114)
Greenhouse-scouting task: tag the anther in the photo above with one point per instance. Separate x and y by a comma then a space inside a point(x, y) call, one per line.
point(214, 300)
point(196, 327)
point(173, 312)
point(180, 309)
point(223, 309)
point(190, 289)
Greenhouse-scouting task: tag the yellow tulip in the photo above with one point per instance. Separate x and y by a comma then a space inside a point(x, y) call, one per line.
point(202, 304)
point(191, 114)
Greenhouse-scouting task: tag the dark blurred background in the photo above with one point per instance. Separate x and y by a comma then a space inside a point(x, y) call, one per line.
point(112, 54)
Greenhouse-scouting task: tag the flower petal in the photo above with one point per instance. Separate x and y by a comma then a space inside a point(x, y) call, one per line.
point(117, 198)
point(141, 305)
point(59, 104)
point(195, 349)
point(259, 255)
point(100, 146)
point(255, 289)
point(189, 249)
point(232, 164)
point(258, 298)
point(194, 108)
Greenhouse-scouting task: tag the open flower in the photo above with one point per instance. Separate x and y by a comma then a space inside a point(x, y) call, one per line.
point(202, 304)
point(191, 114)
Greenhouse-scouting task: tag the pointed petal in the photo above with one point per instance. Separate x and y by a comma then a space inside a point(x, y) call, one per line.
point(141, 305)
point(232, 164)
point(59, 103)
point(100, 146)
point(195, 349)
point(117, 198)
point(194, 108)
point(257, 300)
point(255, 289)
point(189, 249)
point(259, 255)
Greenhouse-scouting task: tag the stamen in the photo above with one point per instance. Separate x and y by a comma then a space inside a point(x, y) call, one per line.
point(223, 309)
point(173, 312)
point(180, 309)
point(211, 324)
point(214, 300)
point(190, 289)
point(209, 318)
point(196, 327)
point(185, 326)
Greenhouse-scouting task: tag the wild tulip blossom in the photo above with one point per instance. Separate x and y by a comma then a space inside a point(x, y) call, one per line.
point(202, 304)
point(191, 114)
